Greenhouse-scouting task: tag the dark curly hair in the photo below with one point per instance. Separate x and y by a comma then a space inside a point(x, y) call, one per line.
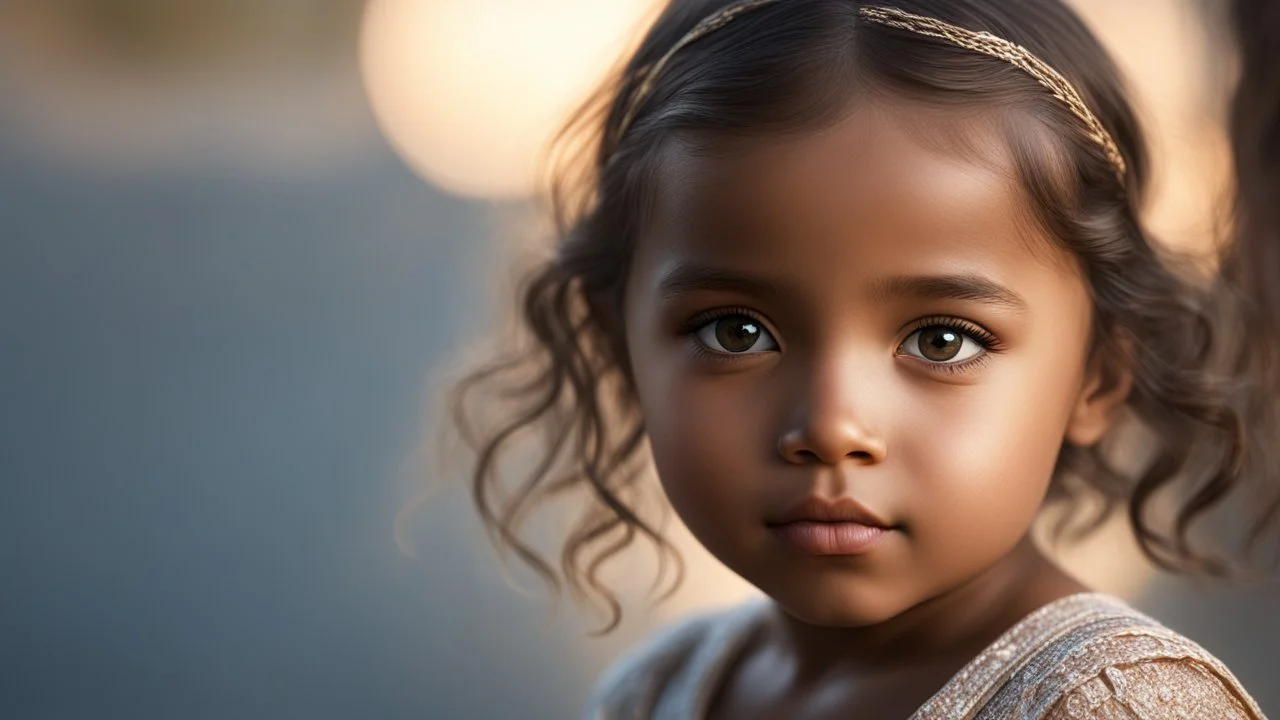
point(788, 68)
point(1249, 282)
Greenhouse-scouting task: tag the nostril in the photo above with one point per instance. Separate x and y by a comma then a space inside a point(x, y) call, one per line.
point(808, 456)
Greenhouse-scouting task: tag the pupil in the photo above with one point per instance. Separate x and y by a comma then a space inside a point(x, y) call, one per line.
point(940, 344)
point(737, 335)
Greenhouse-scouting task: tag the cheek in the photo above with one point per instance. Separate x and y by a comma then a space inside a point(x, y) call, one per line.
point(988, 464)
point(706, 434)
point(706, 440)
point(983, 457)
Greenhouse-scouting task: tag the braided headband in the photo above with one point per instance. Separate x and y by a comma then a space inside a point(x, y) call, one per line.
point(983, 42)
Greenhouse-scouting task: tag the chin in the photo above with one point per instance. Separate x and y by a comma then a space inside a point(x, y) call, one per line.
point(852, 603)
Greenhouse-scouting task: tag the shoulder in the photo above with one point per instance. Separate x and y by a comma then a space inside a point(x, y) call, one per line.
point(1130, 666)
point(636, 682)
point(1158, 689)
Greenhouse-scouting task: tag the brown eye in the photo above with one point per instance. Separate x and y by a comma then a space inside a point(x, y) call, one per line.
point(736, 335)
point(942, 345)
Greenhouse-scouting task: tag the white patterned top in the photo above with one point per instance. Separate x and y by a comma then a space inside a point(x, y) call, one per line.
point(1087, 656)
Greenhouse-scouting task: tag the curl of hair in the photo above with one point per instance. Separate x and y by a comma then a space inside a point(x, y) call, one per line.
point(1249, 288)
point(572, 386)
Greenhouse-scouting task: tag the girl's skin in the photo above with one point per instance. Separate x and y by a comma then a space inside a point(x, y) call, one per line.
point(819, 258)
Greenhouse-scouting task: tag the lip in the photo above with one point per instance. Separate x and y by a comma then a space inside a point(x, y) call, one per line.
point(842, 526)
point(820, 509)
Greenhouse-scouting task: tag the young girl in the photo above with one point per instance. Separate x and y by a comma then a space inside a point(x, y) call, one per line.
point(867, 284)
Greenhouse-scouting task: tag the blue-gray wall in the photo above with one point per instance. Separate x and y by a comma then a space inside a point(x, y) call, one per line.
point(207, 382)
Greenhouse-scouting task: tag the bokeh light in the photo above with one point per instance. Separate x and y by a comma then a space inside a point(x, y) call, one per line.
point(469, 91)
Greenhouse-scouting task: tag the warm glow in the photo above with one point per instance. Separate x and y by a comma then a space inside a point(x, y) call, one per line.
point(469, 91)
point(1163, 50)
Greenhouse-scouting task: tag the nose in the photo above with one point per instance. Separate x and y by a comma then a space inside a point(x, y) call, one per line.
point(829, 428)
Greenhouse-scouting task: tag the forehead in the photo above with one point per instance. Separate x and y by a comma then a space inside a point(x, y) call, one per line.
point(884, 186)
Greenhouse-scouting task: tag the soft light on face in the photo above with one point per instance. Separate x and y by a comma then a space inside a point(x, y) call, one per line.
point(849, 314)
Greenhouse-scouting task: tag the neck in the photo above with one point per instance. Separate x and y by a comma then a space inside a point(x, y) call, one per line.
point(944, 631)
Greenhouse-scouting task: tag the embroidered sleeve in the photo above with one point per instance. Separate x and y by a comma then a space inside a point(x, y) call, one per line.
point(1170, 689)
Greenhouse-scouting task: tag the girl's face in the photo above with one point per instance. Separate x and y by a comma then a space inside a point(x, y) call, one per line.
point(851, 315)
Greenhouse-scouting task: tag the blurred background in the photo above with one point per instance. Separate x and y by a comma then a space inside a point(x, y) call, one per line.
point(240, 239)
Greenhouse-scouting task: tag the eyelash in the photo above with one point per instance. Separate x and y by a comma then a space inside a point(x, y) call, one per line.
point(989, 342)
point(699, 321)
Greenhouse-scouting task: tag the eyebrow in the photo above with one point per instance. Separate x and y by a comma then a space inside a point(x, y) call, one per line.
point(960, 286)
point(689, 277)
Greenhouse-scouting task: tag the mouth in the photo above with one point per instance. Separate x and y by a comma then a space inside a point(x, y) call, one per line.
point(842, 526)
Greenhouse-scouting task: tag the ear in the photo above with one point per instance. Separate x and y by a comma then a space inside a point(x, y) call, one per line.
point(1104, 391)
